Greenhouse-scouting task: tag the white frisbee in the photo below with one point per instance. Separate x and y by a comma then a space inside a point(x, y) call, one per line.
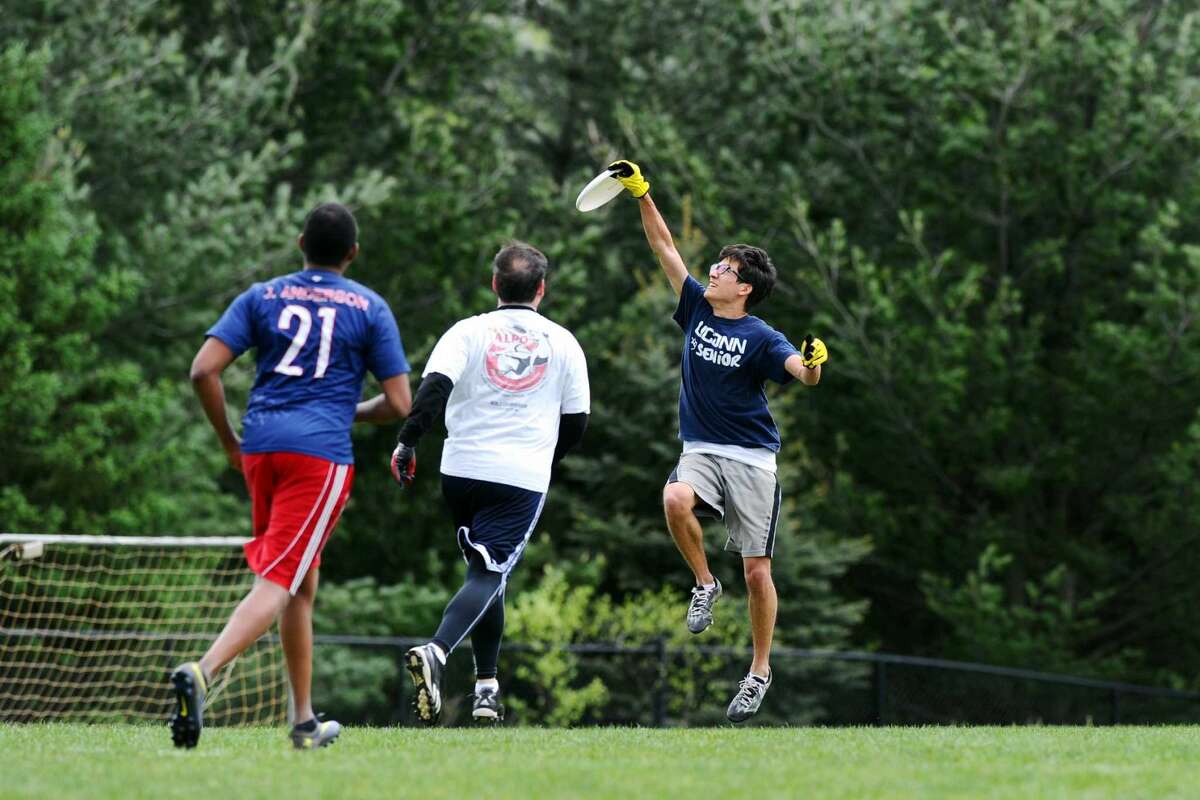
point(599, 191)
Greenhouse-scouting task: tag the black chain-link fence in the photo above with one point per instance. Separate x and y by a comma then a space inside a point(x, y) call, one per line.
point(662, 686)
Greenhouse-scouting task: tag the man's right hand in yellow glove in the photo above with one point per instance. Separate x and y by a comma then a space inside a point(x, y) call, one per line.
point(630, 177)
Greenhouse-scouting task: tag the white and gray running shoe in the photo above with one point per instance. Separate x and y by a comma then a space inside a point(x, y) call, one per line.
point(426, 669)
point(487, 706)
point(751, 692)
point(315, 733)
point(699, 613)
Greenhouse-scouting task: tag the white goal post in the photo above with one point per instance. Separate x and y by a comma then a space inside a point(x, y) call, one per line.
point(90, 626)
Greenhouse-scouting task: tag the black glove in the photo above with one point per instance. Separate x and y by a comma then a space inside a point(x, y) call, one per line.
point(404, 464)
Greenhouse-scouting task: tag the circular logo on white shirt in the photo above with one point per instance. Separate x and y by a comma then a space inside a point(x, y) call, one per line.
point(516, 359)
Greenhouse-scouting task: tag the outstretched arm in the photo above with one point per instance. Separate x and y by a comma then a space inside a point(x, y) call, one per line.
point(659, 238)
point(805, 366)
point(809, 376)
point(658, 235)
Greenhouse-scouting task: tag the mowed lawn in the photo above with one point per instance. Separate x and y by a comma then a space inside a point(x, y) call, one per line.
point(122, 761)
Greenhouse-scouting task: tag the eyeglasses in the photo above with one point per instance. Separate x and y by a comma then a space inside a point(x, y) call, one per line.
point(719, 269)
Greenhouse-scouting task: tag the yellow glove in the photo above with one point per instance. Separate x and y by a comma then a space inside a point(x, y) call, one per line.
point(630, 177)
point(813, 352)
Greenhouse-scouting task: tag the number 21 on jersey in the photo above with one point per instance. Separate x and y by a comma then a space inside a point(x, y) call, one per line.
point(303, 319)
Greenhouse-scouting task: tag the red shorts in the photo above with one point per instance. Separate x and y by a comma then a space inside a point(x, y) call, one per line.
point(297, 500)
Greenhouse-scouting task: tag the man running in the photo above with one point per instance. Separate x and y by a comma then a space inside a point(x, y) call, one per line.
point(317, 333)
point(514, 388)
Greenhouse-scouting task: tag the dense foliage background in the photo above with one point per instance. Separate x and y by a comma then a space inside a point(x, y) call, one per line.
point(987, 210)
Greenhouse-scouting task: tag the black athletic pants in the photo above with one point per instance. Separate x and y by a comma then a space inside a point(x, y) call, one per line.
point(493, 521)
point(477, 609)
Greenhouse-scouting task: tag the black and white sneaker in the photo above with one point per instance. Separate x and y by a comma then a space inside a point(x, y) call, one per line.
point(487, 706)
point(699, 613)
point(425, 665)
point(749, 697)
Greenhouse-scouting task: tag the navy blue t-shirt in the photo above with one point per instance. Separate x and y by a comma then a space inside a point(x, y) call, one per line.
point(317, 333)
point(725, 364)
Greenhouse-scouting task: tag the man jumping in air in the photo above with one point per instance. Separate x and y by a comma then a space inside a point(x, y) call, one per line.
point(727, 468)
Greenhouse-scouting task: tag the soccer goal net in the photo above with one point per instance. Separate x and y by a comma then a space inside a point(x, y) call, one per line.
point(90, 626)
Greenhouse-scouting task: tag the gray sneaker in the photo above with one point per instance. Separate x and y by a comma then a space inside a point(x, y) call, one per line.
point(315, 733)
point(699, 613)
point(426, 670)
point(751, 692)
point(190, 687)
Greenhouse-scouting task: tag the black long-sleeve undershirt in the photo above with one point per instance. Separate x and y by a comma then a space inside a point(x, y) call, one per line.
point(427, 408)
point(570, 433)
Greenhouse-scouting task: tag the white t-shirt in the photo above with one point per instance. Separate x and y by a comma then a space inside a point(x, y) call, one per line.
point(515, 373)
point(759, 457)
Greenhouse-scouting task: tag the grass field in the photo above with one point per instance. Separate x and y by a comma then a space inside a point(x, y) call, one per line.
point(64, 761)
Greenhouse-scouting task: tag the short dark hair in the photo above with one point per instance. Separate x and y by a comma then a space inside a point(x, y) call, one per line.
point(330, 232)
point(754, 268)
point(519, 268)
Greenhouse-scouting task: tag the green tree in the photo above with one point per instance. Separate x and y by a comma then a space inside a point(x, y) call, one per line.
point(989, 212)
point(92, 446)
point(994, 207)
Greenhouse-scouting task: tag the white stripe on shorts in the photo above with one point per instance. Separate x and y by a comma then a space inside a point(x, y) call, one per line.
point(504, 569)
point(507, 566)
point(513, 557)
point(318, 534)
point(300, 532)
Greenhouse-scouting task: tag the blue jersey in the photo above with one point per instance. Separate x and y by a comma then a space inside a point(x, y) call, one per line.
point(726, 362)
point(317, 334)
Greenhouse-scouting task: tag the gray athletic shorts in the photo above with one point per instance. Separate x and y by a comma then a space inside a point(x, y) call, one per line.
point(746, 497)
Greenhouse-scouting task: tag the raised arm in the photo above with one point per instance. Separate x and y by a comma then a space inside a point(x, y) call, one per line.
point(662, 244)
point(658, 235)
